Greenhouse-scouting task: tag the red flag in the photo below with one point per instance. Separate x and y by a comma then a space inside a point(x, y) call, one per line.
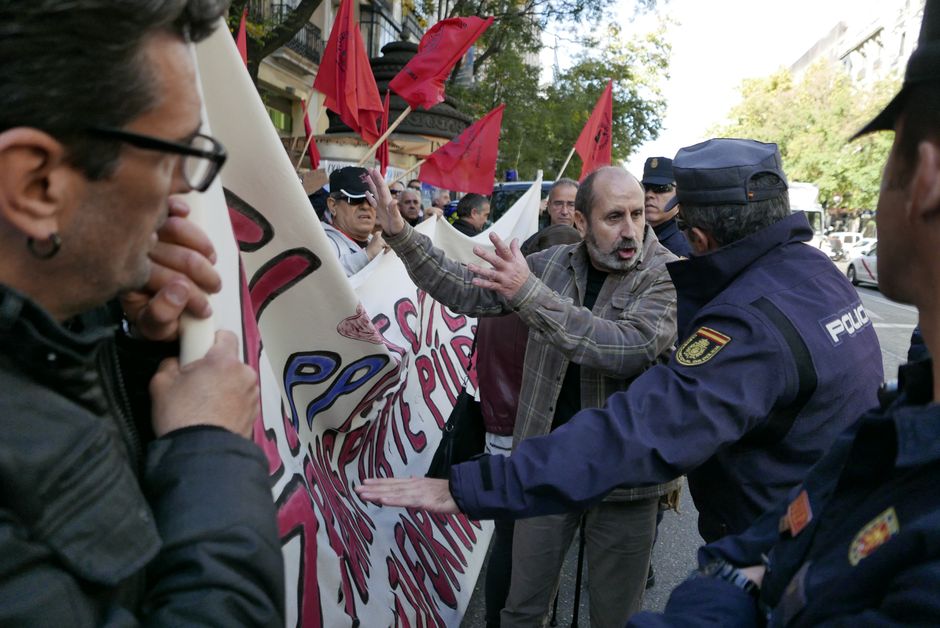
point(421, 81)
point(241, 40)
point(467, 163)
point(382, 153)
point(346, 79)
point(593, 144)
point(312, 150)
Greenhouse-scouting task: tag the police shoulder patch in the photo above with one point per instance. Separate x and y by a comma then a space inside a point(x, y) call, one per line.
point(876, 533)
point(701, 346)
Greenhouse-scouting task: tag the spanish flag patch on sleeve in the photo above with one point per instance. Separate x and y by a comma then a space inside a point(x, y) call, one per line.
point(701, 347)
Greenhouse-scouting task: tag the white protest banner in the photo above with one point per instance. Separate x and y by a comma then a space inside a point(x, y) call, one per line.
point(358, 377)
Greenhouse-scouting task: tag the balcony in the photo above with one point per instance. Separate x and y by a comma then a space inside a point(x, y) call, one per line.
point(307, 42)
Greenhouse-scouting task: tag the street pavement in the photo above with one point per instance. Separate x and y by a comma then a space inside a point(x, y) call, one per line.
point(674, 553)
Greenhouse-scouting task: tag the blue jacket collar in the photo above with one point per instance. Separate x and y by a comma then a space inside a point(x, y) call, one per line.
point(701, 278)
point(666, 229)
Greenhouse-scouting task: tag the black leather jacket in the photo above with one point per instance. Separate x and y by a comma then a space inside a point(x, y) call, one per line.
point(98, 525)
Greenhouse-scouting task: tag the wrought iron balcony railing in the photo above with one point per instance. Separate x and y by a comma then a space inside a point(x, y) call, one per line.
point(307, 42)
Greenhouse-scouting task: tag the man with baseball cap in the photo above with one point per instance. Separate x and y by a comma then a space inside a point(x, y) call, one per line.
point(352, 232)
point(659, 185)
point(858, 542)
point(756, 392)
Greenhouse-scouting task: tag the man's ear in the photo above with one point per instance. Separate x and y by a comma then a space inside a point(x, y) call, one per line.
point(702, 241)
point(925, 184)
point(580, 223)
point(36, 184)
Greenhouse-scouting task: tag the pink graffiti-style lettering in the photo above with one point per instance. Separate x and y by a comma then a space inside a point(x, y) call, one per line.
point(297, 519)
point(348, 528)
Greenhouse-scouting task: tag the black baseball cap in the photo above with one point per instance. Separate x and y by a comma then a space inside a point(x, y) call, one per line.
point(719, 172)
point(922, 67)
point(658, 171)
point(350, 181)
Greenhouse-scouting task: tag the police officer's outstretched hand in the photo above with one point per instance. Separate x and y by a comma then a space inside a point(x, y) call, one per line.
point(509, 268)
point(423, 493)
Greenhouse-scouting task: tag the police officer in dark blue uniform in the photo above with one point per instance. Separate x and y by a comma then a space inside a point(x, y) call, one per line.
point(858, 542)
point(660, 205)
point(756, 392)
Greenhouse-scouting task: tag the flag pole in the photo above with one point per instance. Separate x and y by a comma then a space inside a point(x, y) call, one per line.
point(313, 129)
point(384, 137)
point(567, 161)
point(409, 171)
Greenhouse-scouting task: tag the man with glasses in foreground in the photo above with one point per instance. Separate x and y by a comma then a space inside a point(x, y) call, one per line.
point(661, 210)
point(756, 392)
point(352, 233)
point(118, 507)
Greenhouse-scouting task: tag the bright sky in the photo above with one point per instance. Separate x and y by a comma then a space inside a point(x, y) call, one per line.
point(717, 43)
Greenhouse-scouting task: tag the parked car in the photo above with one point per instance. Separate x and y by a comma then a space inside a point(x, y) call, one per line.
point(840, 241)
point(804, 197)
point(507, 193)
point(851, 250)
point(863, 267)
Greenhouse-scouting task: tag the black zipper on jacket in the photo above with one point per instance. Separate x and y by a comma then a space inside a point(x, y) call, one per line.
point(116, 392)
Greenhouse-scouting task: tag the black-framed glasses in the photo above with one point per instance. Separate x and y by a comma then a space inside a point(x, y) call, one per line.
point(202, 157)
point(396, 192)
point(657, 189)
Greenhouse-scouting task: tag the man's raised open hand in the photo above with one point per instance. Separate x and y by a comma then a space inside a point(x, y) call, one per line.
point(386, 210)
point(509, 268)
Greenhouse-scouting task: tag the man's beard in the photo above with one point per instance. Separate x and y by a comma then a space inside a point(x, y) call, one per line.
point(610, 260)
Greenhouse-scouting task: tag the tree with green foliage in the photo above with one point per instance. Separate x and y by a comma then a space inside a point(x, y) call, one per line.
point(541, 124)
point(518, 24)
point(812, 122)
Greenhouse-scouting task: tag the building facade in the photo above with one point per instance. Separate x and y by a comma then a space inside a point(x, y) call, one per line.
point(285, 80)
point(870, 47)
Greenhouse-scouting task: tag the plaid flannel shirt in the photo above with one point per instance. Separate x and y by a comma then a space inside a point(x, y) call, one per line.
point(631, 327)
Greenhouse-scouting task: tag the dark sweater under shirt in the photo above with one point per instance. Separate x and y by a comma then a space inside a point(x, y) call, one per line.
point(569, 398)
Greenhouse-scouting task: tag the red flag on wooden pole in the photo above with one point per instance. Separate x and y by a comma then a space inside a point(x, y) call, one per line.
point(241, 39)
point(346, 80)
point(467, 163)
point(312, 151)
point(383, 149)
point(593, 144)
point(421, 81)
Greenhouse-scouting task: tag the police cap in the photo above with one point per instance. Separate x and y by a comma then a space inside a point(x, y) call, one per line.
point(658, 171)
point(720, 171)
point(922, 67)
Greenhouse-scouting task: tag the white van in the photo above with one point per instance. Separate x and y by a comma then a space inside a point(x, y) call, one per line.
point(804, 197)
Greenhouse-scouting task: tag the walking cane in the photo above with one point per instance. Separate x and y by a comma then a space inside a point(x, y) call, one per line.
point(577, 578)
